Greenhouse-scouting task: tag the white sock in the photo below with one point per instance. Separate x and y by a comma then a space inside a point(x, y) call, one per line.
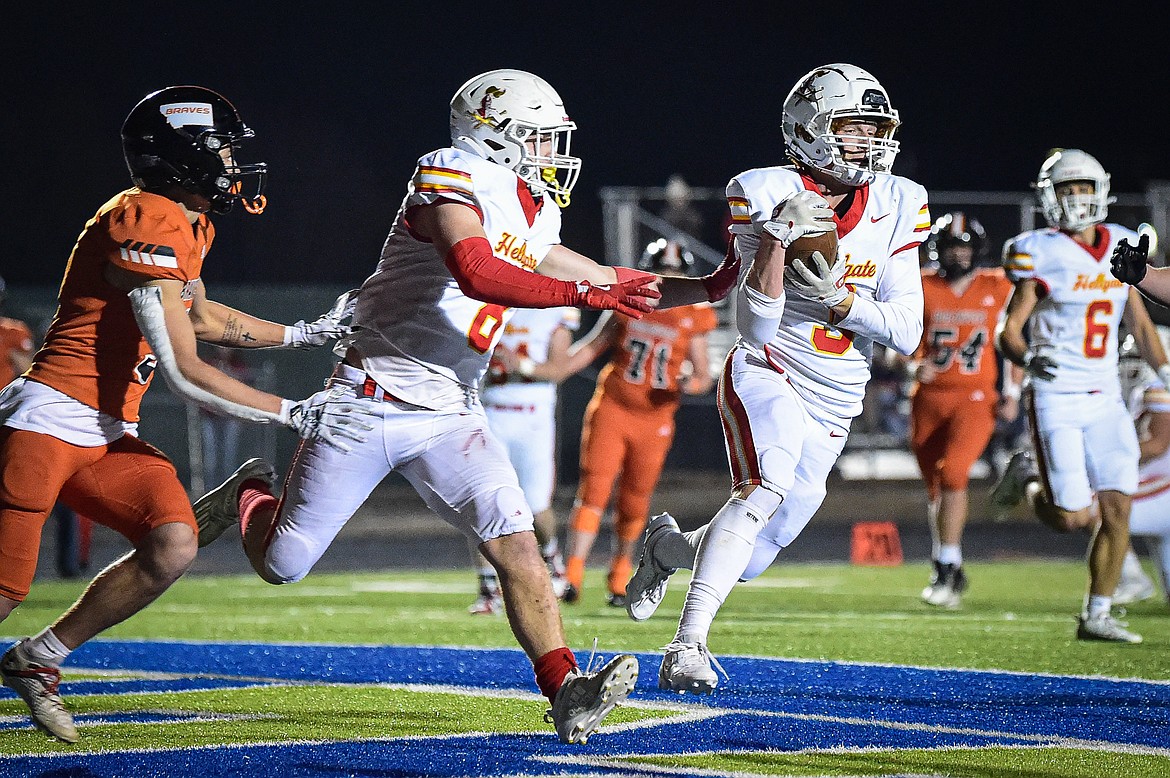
point(550, 549)
point(722, 557)
point(46, 649)
point(950, 554)
point(1098, 605)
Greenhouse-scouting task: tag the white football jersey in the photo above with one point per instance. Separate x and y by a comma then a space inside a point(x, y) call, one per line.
point(529, 333)
point(829, 362)
point(1076, 319)
point(420, 337)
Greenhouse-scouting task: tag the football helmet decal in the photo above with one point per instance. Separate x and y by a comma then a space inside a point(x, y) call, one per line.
point(952, 231)
point(821, 103)
point(1072, 211)
point(187, 136)
point(516, 119)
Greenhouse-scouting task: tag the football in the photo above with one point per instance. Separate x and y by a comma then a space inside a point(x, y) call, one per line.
point(804, 246)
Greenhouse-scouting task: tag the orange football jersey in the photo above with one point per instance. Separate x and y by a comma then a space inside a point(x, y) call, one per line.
point(94, 351)
point(15, 337)
point(644, 371)
point(958, 336)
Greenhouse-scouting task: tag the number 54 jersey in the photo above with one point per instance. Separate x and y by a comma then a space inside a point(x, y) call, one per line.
point(1076, 319)
point(419, 336)
point(828, 361)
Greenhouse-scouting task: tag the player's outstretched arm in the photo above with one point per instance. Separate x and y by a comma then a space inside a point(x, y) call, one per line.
point(225, 326)
point(456, 233)
point(163, 320)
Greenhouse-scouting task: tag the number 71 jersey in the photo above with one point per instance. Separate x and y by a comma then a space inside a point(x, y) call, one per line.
point(1076, 319)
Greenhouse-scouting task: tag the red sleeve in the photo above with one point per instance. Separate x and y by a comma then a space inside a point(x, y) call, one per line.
point(483, 276)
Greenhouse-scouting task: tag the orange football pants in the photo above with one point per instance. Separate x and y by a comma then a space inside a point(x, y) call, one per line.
point(633, 443)
point(948, 432)
point(129, 486)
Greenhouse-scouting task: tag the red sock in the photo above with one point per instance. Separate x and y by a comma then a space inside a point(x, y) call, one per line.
point(551, 670)
point(254, 496)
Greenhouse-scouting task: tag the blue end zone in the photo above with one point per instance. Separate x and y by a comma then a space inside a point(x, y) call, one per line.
point(769, 704)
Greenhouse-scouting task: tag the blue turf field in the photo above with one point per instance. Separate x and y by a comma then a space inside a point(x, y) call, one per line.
point(768, 704)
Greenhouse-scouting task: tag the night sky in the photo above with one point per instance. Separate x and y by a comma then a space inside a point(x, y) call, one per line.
point(343, 103)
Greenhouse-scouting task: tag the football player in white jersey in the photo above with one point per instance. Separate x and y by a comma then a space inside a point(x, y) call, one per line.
point(796, 376)
point(477, 234)
point(1061, 326)
point(520, 399)
point(1148, 400)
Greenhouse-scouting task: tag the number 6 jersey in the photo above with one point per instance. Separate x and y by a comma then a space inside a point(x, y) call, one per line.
point(420, 337)
point(1076, 319)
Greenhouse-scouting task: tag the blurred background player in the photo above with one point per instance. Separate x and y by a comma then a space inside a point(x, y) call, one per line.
point(954, 402)
point(796, 376)
point(1148, 399)
point(520, 400)
point(132, 303)
point(629, 422)
point(16, 343)
point(1061, 326)
point(477, 236)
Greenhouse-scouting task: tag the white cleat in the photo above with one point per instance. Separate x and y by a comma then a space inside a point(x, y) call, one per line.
point(220, 508)
point(1106, 628)
point(1008, 492)
point(1133, 589)
point(647, 587)
point(37, 686)
point(687, 667)
point(584, 699)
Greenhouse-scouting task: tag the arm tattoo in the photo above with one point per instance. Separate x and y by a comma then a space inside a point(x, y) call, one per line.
point(233, 332)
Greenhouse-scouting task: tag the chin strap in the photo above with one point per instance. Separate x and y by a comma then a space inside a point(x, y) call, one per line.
point(549, 176)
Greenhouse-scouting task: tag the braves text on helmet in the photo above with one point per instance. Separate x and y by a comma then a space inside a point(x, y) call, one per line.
point(186, 136)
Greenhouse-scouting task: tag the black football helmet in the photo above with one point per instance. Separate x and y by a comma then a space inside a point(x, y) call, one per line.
point(176, 136)
point(667, 258)
point(956, 229)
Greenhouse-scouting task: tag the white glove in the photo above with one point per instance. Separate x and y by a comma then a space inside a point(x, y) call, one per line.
point(333, 325)
point(822, 283)
point(804, 213)
point(331, 416)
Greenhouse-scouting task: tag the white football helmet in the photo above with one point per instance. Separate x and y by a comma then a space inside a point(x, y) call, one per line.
point(502, 114)
point(821, 102)
point(1078, 211)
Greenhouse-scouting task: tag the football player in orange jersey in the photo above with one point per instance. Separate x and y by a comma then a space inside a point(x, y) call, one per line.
point(629, 423)
point(954, 402)
point(16, 344)
point(132, 303)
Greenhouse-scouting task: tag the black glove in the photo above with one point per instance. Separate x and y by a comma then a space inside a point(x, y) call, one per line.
point(1128, 263)
point(1041, 367)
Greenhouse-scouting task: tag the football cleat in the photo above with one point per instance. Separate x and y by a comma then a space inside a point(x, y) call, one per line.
point(487, 604)
point(571, 594)
point(616, 600)
point(1008, 492)
point(1107, 628)
point(584, 699)
point(37, 685)
point(947, 585)
point(1134, 587)
point(687, 667)
point(220, 508)
point(647, 587)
